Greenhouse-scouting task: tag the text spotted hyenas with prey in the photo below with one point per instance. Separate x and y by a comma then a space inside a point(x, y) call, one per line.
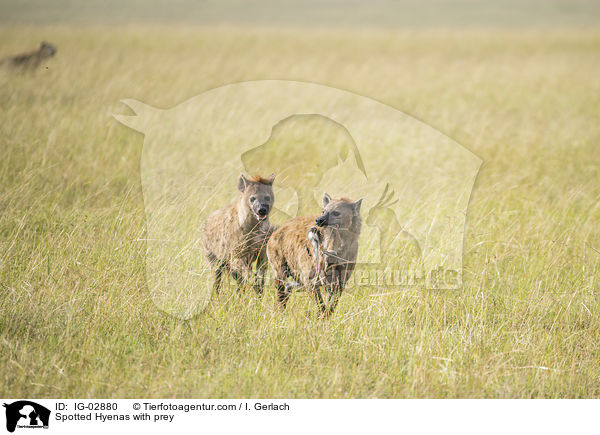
point(317, 252)
point(235, 237)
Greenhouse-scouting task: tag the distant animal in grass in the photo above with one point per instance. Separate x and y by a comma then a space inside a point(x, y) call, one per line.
point(31, 59)
point(235, 237)
point(317, 252)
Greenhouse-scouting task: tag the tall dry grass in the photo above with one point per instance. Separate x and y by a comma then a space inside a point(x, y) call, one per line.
point(76, 319)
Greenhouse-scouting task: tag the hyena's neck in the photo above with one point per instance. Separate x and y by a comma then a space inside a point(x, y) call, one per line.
point(355, 226)
point(246, 219)
point(340, 239)
point(338, 246)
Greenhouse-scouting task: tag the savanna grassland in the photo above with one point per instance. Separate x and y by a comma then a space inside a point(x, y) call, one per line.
point(76, 318)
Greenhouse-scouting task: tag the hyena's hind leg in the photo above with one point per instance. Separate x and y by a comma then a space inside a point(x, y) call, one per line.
point(218, 278)
point(220, 267)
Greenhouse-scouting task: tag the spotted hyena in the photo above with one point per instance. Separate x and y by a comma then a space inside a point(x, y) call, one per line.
point(33, 58)
point(235, 237)
point(318, 251)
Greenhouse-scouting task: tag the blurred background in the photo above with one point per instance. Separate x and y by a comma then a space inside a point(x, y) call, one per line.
point(375, 13)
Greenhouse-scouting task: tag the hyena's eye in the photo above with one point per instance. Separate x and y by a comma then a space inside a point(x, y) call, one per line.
point(267, 198)
point(252, 198)
point(336, 213)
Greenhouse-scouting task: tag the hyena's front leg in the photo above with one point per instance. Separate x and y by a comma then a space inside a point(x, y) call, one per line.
point(334, 285)
point(316, 291)
point(332, 300)
point(241, 272)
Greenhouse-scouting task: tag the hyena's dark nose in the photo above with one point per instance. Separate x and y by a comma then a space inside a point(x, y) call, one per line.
point(321, 221)
point(262, 212)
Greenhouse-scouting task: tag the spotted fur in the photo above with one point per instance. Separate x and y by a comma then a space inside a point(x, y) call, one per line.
point(317, 252)
point(235, 237)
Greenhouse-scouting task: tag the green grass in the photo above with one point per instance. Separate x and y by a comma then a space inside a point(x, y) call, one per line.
point(76, 318)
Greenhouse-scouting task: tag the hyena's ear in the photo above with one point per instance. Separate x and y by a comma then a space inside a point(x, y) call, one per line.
point(271, 179)
point(242, 183)
point(356, 207)
point(326, 199)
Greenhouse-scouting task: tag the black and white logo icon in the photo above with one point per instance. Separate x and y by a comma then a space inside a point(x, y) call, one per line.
point(26, 414)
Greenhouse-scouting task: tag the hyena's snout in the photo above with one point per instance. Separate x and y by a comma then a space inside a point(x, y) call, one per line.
point(261, 208)
point(263, 211)
point(322, 220)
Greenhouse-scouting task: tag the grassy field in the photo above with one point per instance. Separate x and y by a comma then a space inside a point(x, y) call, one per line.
point(76, 318)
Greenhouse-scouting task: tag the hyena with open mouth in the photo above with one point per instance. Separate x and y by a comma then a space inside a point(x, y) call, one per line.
point(235, 237)
point(317, 252)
